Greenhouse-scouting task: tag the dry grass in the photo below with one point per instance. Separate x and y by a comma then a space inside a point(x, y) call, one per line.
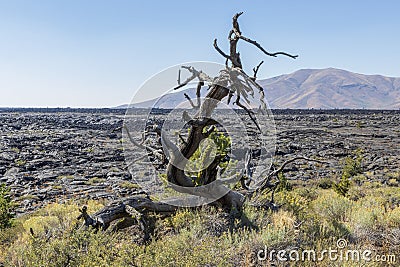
point(308, 219)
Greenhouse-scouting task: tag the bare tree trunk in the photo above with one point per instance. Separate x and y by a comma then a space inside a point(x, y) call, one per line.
point(231, 200)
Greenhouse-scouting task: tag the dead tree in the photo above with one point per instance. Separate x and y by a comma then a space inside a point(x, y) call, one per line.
point(232, 82)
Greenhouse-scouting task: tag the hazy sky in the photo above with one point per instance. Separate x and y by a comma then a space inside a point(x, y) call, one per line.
point(97, 53)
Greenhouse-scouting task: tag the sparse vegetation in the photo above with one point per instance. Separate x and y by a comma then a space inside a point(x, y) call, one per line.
point(15, 149)
point(220, 147)
point(129, 185)
point(95, 180)
point(284, 214)
point(20, 162)
point(325, 183)
point(6, 207)
point(284, 184)
point(69, 177)
point(312, 217)
point(28, 196)
point(352, 166)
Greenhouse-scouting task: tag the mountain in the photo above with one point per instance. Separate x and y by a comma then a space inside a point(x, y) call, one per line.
point(332, 88)
point(317, 88)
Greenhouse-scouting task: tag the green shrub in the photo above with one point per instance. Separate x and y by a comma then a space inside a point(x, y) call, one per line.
point(20, 162)
point(49, 237)
point(216, 145)
point(95, 180)
point(206, 236)
point(392, 182)
point(129, 185)
point(352, 166)
point(325, 183)
point(331, 206)
point(343, 186)
point(293, 202)
point(392, 217)
point(283, 184)
point(6, 207)
point(394, 175)
point(330, 211)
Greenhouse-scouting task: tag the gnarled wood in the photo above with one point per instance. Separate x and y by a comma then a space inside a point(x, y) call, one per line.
point(239, 84)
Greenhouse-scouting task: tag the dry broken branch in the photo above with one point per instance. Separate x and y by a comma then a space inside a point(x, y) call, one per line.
point(123, 208)
point(264, 184)
point(190, 100)
point(201, 76)
point(255, 71)
point(219, 50)
point(266, 52)
point(201, 126)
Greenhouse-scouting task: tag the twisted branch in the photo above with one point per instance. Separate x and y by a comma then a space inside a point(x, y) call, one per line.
point(266, 52)
point(234, 35)
point(220, 51)
point(255, 71)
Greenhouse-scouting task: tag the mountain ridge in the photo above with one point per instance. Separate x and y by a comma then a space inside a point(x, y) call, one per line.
point(328, 88)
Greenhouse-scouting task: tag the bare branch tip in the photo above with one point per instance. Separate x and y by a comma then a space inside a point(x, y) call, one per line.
point(237, 15)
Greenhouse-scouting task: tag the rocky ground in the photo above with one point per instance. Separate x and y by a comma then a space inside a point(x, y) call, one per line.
point(55, 155)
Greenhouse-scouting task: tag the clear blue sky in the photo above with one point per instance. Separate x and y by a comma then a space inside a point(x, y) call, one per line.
point(94, 53)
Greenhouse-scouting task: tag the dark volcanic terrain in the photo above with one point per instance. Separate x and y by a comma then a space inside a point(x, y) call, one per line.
point(56, 155)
